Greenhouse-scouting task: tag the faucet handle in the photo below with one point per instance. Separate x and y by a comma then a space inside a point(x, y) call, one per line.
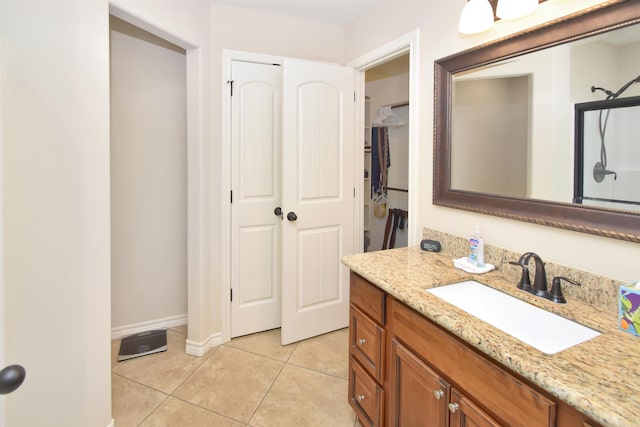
point(556, 289)
point(525, 280)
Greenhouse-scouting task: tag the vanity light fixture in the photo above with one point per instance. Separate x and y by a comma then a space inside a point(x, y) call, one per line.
point(476, 17)
point(512, 9)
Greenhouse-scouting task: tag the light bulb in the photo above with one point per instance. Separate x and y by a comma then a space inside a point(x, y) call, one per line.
point(476, 17)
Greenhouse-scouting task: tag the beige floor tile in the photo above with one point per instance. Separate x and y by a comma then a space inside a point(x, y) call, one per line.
point(162, 371)
point(177, 413)
point(182, 329)
point(265, 343)
point(302, 397)
point(131, 402)
point(231, 382)
point(327, 353)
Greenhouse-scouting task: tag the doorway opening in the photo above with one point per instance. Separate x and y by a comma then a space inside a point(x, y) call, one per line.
point(148, 181)
point(387, 155)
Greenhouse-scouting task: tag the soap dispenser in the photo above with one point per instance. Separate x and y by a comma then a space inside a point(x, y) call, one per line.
point(476, 249)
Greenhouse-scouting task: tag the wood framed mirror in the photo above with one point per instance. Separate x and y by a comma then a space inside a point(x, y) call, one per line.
point(456, 132)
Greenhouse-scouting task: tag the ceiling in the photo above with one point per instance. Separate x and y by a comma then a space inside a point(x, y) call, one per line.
point(338, 12)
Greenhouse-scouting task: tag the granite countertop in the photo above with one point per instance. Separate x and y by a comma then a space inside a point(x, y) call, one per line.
point(600, 377)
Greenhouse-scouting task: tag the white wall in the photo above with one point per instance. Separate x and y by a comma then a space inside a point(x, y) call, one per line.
point(261, 32)
point(55, 196)
point(148, 179)
point(439, 38)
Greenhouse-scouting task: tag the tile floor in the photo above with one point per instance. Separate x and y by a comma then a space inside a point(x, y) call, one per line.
point(251, 381)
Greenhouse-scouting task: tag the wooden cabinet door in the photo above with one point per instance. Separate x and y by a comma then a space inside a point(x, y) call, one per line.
point(465, 413)
point(418, 396)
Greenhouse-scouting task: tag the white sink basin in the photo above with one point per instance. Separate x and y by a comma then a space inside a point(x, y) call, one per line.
point(541, 329)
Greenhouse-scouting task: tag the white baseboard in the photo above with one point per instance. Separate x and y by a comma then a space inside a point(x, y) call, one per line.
point(167, 322)
point(199, 349)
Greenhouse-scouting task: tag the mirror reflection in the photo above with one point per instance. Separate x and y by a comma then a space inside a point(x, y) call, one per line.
point(608, 152)
point(514, 129)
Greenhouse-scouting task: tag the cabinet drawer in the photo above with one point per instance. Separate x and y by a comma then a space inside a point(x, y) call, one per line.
point(367, 298)
point(366, 343)
point(365, 396)
point(509, 399)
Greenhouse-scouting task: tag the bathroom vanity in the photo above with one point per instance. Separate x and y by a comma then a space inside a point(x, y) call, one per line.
point(416, 360)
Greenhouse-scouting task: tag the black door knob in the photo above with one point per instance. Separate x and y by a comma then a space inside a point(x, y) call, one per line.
point(291, 216)
point(278, 211)
point(11, 378)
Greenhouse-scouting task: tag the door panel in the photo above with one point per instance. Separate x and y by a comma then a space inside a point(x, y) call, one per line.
point(319, 142)
point(318, 248)
point(318, 150)
point(255, 229)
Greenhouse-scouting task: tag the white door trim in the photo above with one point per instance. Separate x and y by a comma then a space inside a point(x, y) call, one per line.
point(407, 43)
point(197, 206)
point(225, 263)
point(2, 296)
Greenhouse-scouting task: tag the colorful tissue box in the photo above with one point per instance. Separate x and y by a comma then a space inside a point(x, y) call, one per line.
point(629, 311)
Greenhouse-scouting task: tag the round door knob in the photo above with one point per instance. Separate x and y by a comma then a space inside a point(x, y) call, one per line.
point(11, 378)
point(361, 341)
point(453, 407)
point(278, 211)
point(291, 216)
point(360, 397)
point(438, 394)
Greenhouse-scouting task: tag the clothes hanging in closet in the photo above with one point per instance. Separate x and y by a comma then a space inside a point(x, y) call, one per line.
point(396, 219)
point(380, 161)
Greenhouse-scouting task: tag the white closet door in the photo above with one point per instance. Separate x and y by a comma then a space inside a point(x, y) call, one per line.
point(255, 229)
point(318, 189)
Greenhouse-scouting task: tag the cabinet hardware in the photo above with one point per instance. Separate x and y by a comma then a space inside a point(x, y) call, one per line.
point(361, 341)
point(438, 394)
point(360, 397)
point(454, 407)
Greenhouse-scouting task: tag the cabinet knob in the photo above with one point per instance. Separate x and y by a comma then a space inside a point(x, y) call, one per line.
point(438, 394)
point(360, 397)
point(453, 407)
point(361, 341)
